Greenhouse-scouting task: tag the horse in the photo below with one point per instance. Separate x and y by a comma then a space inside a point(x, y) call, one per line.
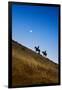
point(37, 49)
point(44, 53)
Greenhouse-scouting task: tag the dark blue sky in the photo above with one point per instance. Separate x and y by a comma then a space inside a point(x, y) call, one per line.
point(36, 25)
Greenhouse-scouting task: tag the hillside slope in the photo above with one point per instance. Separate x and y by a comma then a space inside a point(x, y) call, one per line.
point(30, 68)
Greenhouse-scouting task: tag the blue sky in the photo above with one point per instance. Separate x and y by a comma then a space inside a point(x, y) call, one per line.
point(36, 25)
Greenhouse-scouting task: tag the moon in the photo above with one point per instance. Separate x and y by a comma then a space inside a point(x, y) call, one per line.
point(30, 31)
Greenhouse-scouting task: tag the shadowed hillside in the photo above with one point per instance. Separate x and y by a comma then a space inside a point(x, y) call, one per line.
point(30, 68)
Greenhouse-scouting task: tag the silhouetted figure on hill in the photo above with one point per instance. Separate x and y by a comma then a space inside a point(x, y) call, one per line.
point(37, 49)
point(44, 53)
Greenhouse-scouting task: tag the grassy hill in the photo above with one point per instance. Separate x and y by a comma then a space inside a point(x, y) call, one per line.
point(30, 68)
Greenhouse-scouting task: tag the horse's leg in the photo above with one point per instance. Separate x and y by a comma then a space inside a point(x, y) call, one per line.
point(39, 51)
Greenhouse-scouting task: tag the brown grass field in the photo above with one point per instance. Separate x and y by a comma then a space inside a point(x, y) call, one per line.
point(30, 68)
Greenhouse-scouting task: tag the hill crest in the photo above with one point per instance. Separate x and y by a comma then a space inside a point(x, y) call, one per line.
point(29, 68)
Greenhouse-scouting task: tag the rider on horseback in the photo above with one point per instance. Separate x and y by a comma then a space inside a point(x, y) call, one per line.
point(37, 49)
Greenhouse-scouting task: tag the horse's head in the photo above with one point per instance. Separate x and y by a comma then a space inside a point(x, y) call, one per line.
point(35, 47)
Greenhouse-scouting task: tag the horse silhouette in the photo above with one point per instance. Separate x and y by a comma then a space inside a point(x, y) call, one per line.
point(37, 49)
point(44, 53)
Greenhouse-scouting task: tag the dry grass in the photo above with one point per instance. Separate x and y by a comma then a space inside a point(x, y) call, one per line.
point(30, 68)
